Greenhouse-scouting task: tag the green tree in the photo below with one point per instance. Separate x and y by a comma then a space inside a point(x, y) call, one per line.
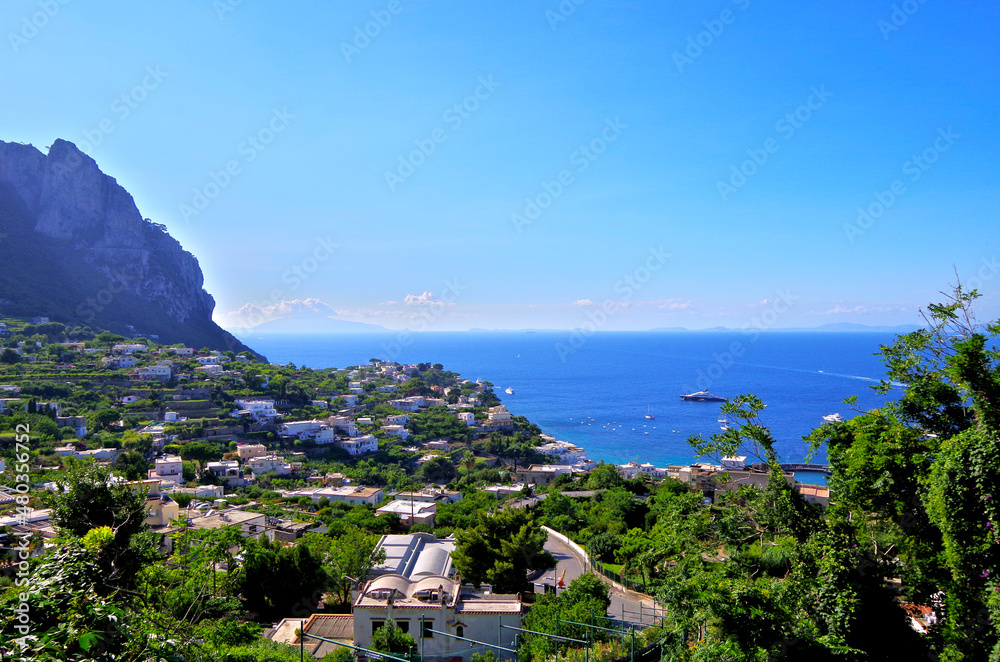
point(132, 465)
point(274, 581)
point(102, 420)
point(604, 476)
point(585, 600)
point(91, 498)
point(390, 639)
point(201, 451)
point(438, 469)
point(501, 550)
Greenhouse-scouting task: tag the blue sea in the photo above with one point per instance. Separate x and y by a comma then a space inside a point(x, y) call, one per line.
point(596, 394)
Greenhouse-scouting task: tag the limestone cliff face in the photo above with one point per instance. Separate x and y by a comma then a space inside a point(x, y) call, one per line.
point(111, 267)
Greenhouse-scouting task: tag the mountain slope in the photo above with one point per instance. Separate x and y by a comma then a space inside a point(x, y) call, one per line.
point(74, 247)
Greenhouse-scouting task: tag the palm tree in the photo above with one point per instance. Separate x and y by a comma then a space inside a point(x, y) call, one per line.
point(468, 461)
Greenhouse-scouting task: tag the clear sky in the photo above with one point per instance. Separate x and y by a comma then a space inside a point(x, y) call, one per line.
point(512, 164)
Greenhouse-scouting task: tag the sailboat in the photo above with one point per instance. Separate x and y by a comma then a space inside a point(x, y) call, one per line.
point(649, 413)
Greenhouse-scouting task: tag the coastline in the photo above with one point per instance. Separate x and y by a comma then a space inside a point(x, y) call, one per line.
point(619, 377)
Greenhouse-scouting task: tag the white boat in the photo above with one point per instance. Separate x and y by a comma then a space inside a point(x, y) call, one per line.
point(833, 418)
point(649, 413)
point(509, 390)
point(702, 396)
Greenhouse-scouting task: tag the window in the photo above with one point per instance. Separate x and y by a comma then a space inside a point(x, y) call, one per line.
point(376, 625)
point(460, 631)
point(428, 626)
point(404, 626)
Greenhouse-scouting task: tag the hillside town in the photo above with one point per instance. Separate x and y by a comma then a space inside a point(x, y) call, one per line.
point(374, 485)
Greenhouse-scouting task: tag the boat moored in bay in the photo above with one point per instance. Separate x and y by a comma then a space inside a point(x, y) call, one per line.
point(702, 396)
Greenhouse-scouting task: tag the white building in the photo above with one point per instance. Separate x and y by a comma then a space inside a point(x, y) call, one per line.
point(128, 349)
point(734, 462)
point(466, 417)
point(251, 525)
point(169, 470)
point(544, 474)
point(411, 511)
point(324, 436)
point(259, 409)
point(563, 451)
point(270, 464)
point(396, 431)
point(224, 469)
point(633, 469)
point(121, 362)
point(359, 445)
point(343, 424)
point(436, 603)
point(159, 372)
point(99, 454)
point(353, 495)
point(499, 414)
point(414, 555)
point(301, 429)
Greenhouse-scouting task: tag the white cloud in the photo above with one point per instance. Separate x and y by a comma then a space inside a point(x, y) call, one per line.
point(659, 304)
point(839, 309)
point(425, 299)
point(251, 314)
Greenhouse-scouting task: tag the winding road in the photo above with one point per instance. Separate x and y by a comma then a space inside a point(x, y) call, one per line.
point(637, 608)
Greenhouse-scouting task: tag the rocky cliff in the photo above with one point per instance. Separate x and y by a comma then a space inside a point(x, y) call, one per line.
point(74, 247)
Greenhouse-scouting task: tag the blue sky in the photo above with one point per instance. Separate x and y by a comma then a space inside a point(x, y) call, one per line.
point(580, 163)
